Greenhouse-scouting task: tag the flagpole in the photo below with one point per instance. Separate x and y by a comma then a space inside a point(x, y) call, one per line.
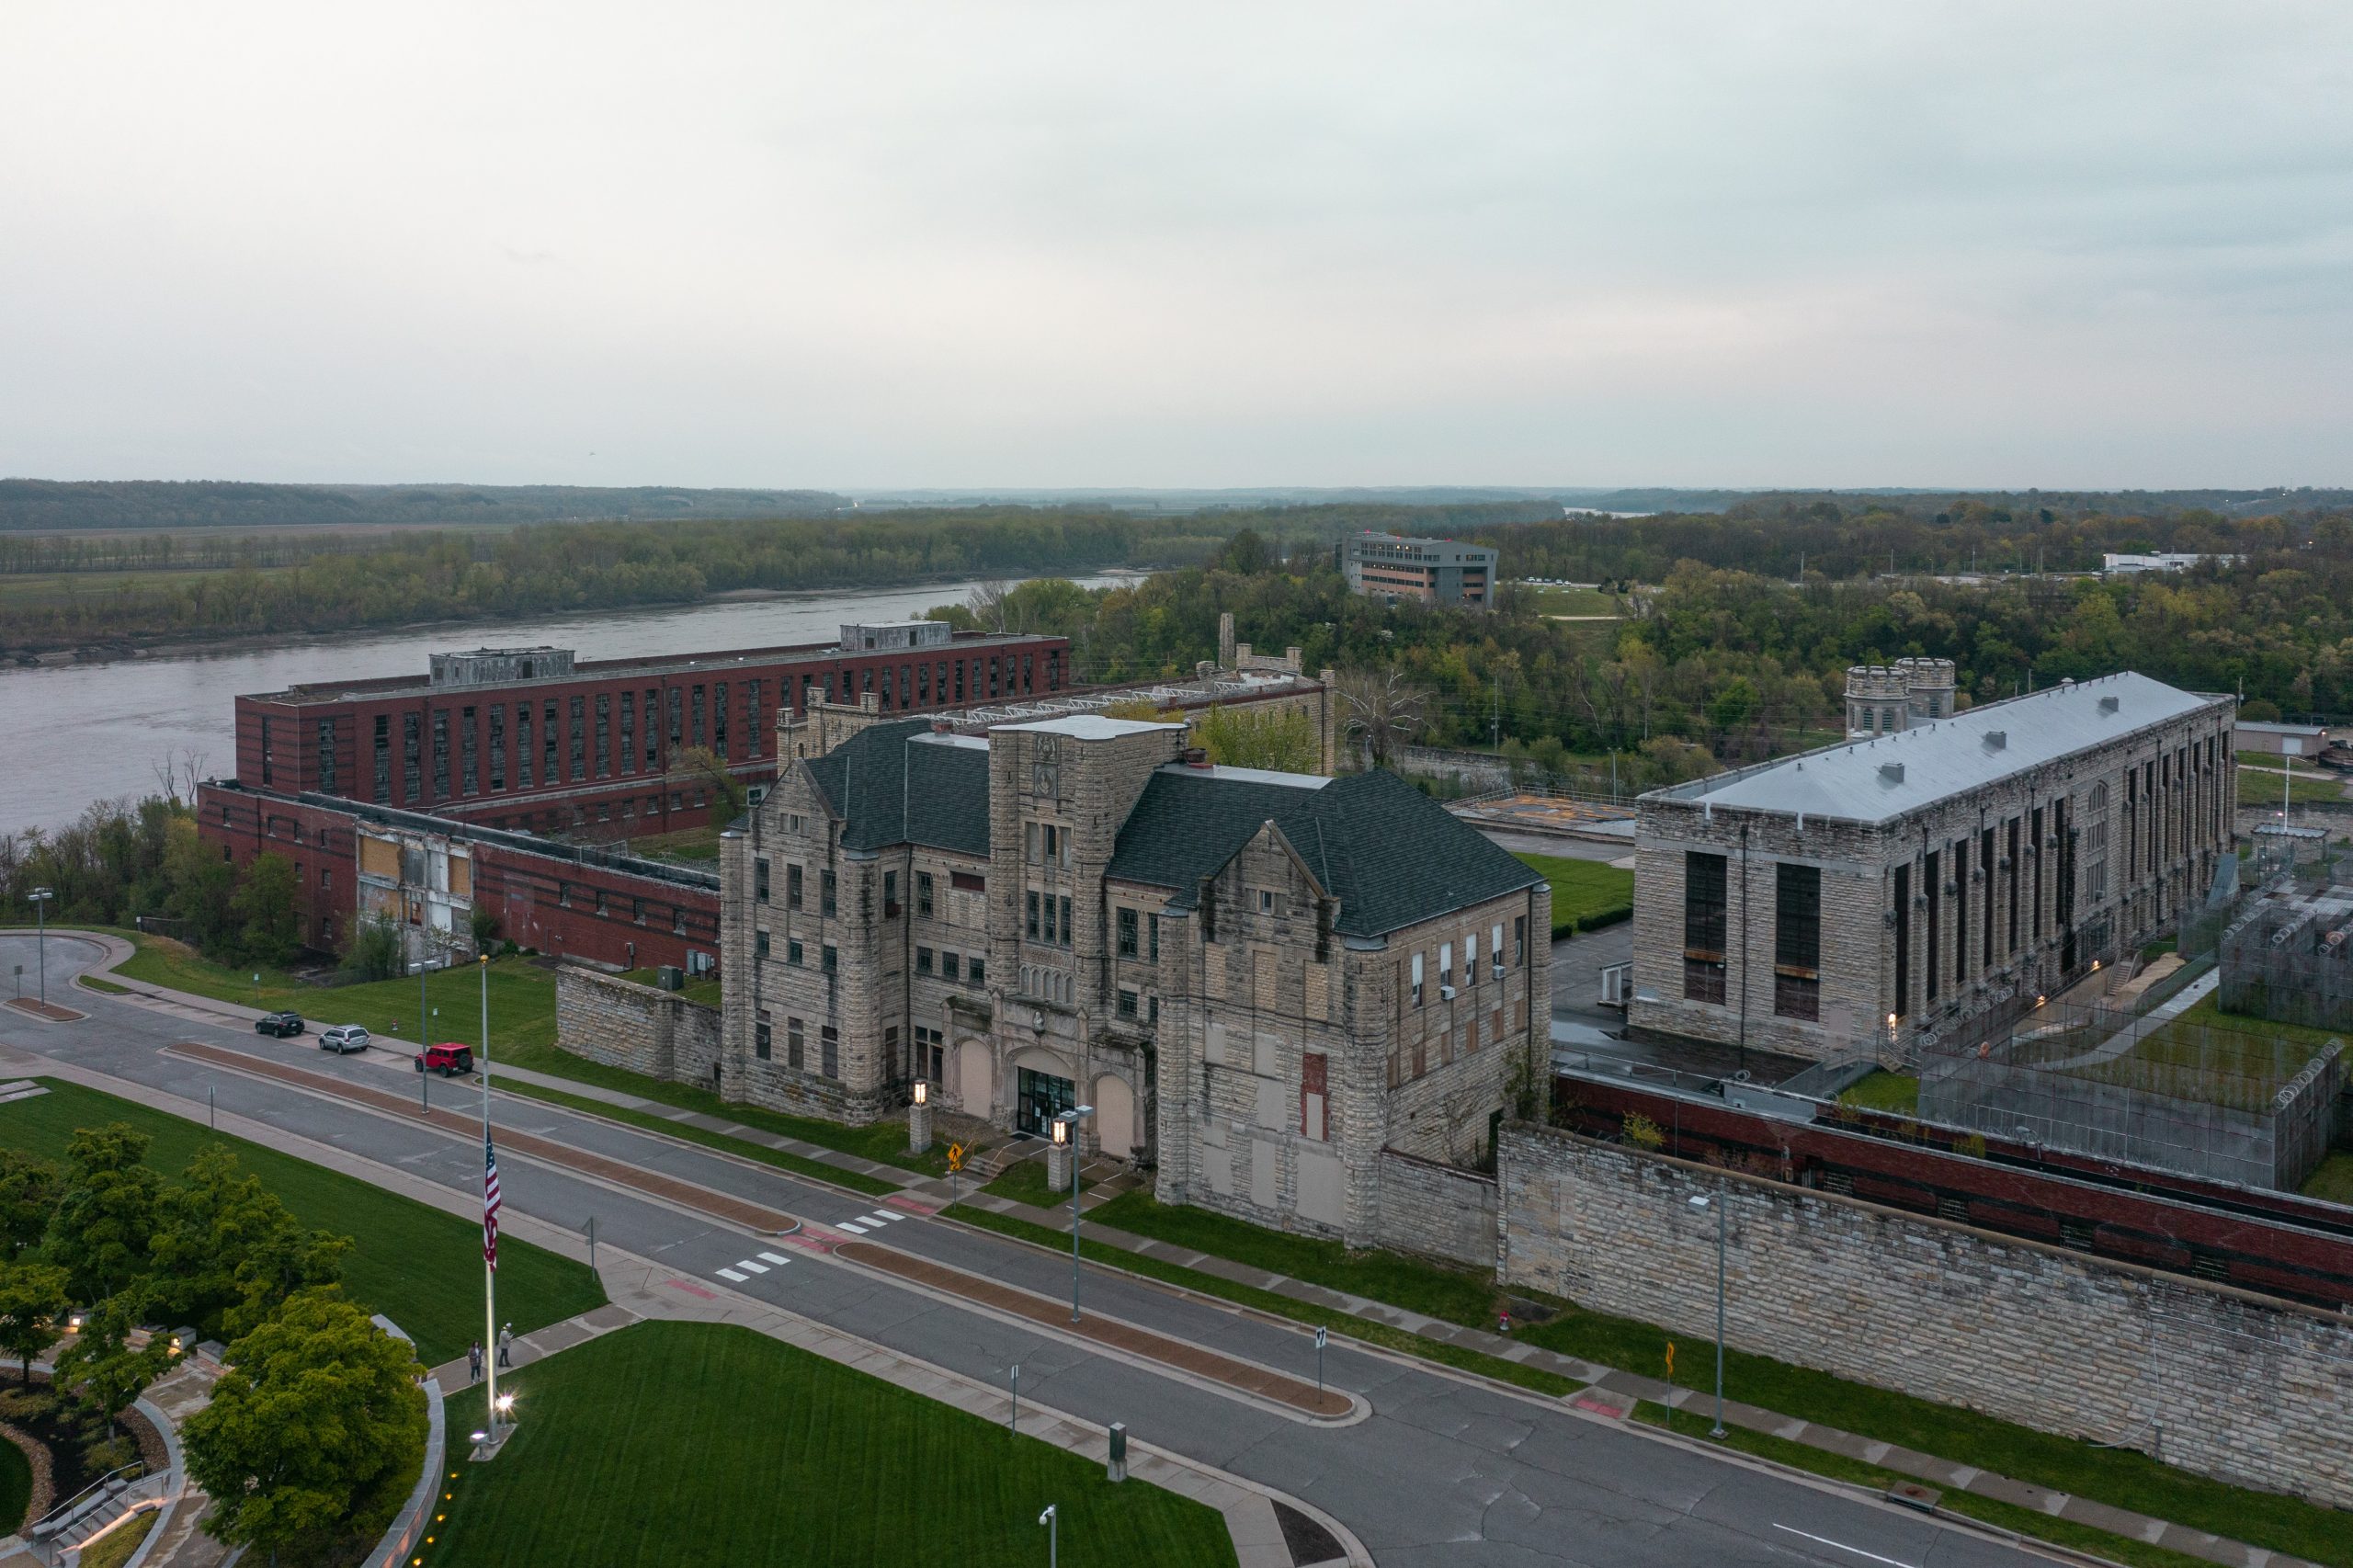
point(489, 1262)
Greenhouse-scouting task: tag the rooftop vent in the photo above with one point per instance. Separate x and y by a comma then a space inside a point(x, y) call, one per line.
point(2108, 704)
point(1997, 740)
point(1890, 772)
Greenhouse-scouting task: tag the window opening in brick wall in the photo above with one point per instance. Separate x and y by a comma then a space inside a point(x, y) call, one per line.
point(1704, 913)
point(1797, 941)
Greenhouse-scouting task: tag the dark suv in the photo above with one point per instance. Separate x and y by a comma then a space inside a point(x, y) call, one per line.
point(279, 1024)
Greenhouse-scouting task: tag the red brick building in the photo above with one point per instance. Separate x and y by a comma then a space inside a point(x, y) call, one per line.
point(424, 800)
point(530, 738)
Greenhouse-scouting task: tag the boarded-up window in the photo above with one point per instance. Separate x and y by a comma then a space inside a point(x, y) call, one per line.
point(1318, 991)
point(1213, 971)
point(462, 877)
point(380, 857)
point(1265, 977)
point(1314, 1112)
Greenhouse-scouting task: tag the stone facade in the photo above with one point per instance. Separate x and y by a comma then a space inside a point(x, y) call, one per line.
point(2240, 1387)
point(1978, 901)
point(1217, 1018)
point(601, 1018)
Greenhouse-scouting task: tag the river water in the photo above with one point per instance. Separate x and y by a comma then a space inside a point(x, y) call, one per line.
point(74, 733)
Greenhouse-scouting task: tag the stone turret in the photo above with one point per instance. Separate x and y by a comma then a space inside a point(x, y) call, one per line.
point(1883, 699)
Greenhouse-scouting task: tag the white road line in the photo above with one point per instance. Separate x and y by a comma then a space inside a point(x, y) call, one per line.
point(748, 1267)
point(880, 1217)
point(730, 1277)
point(772, 1258)
point(1825, 1540)
point(854, 1228)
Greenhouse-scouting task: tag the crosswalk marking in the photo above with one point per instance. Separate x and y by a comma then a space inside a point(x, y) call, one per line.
point(772, 1258)
point(852, 1226)
point(880, 1217)
point(748, 1267)
point(730, 1276)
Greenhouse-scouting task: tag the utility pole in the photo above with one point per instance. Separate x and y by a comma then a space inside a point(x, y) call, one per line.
point(40, 897)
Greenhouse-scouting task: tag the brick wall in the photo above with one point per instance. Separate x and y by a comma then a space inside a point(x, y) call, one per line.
point(622, 1024)
point(2216, 1381)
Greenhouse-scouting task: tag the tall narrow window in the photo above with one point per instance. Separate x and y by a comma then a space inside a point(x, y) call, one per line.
point(383, 759)
point(1933, 891)
point(2034, 842)
point(1703, 926)
point(523, 745)
point(1985, 870)
point(1902, 913)
point(604, 734)
point(1797, 941)
point(578, 739)
point(629, 731)
point(497, 746)
point(469, 754)
point(1959, 911)
point(412, 759)
point(2013, 887)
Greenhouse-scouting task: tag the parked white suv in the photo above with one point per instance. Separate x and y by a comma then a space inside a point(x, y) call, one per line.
point(343, 1039)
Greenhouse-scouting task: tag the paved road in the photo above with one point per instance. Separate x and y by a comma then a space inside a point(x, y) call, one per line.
point(1442, 1471)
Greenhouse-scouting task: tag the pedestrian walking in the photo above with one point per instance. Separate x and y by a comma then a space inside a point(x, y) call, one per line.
point(505, 1338)
point(474, 1362)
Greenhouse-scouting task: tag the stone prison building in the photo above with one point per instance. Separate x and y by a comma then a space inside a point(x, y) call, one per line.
point(1949, 873)
point(1282, 990)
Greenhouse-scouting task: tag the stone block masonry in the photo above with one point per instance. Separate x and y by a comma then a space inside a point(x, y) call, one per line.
point(600, 1017)
point(2228, 1384)
point(1437, 1210)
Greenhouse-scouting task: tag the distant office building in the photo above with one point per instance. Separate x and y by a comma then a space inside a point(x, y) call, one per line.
point(1435, 571)
point(2173, 560)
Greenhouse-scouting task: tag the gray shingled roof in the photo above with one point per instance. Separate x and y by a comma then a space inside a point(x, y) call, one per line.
point(892, 792)
point(1389, 853)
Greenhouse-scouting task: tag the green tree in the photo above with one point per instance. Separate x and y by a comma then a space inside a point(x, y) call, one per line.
point(703, 766)
point(102, 1367)
point(314, 1436)
point(29, 1192)
point(226, 1252)
point(106, 1215)
point(32, 1298)
point(1246, 554)
point(1733, 706)
point(1284, 743)
point(270, 928)
point(374, 950)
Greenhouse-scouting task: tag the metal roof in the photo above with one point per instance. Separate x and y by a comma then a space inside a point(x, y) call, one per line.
point(2257, 727)
point(1884, 778)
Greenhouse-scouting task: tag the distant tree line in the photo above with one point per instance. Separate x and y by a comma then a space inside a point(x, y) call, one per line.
point(551, 568)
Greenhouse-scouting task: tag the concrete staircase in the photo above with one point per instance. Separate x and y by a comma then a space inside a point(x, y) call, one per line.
point(98, 1507)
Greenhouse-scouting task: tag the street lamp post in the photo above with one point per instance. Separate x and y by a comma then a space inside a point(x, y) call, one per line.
point(1051, 1518)
point(1066, 1131)
point(40, 897)
point(1704, 1203)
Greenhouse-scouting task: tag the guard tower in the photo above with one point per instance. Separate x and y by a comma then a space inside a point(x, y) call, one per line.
point(1883, 699)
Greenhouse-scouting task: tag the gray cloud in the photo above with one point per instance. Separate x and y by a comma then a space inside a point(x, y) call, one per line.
point(1099, 243)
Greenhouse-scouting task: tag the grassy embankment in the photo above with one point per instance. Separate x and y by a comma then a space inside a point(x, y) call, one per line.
point(1586, 894)
point(840, 1468)
point(419, 1265)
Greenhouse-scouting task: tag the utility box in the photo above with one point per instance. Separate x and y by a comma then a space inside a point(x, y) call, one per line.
point(670, 977)
point(1115, 1464)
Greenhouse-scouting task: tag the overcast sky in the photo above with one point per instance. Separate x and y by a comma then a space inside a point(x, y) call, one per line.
point(966, 244)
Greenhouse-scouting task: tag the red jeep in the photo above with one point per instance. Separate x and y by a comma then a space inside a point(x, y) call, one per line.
point(446, 1059)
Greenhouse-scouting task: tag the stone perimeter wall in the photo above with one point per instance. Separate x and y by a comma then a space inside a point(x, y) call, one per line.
point(622, 1024)
point(1437, 1210)
point(2213, 1380)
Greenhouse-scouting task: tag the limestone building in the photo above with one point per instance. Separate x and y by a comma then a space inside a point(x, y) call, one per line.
point(1267, 984)
point(1952, 872)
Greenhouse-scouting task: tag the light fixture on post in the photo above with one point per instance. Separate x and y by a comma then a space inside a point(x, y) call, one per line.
point(919, 1120)
point(40, 897)
point(1703, 1203)
point(1066, 1142)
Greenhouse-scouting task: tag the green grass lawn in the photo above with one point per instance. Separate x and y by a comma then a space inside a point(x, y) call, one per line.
point(885, 1142)
point(117, 1546)
point(2207, 1054)
point(419, 1265)
point(692, 846)
point(522, 996)
point(2334, 1180)
point(2124, 1479)
point(1897, 1092)
point(1026, 1183)
point(16, 1487)
point(1586, 893)
point(675, 1443)
point(2260, 785)
point(1551, 600)
point(1271, 1301)
point(1456, 1295)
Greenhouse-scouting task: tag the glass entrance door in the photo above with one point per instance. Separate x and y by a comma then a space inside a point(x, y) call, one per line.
point(1039, 1098)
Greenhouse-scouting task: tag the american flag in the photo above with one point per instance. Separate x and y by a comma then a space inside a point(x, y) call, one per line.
point(489, 1203)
